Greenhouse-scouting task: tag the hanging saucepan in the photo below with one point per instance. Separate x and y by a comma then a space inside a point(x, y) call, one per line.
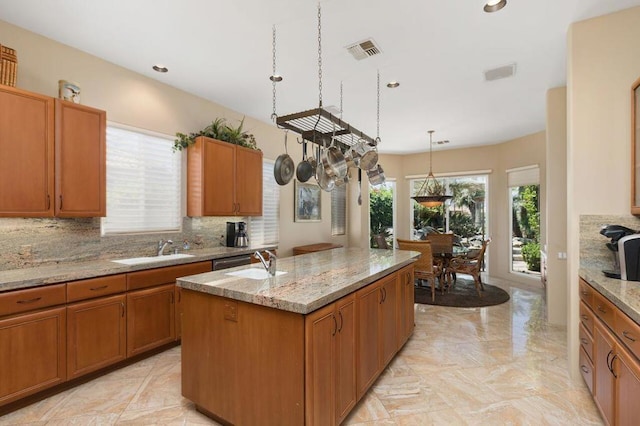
point(284, 167)
point(305, 170)
point(342, 181)
point(325, 181)
point(333, 162)
point(367, 155)
point(376, 175)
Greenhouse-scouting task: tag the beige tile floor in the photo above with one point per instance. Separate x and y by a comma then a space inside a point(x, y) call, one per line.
point(501, 365)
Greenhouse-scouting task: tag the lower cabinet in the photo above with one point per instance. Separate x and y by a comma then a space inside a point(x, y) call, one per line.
point(179, 312)
point(407, 307)
point(603, 391)
point(330, 384)
point(96, 334)
point(150, 318)
point(32, 353)
point(368, 300)
point(628, 390)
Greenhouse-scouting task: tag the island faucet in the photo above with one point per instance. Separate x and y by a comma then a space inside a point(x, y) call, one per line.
point(271, 267)
point(161, 245)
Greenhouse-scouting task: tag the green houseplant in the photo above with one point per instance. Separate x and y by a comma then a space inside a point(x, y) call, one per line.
point(220, 130)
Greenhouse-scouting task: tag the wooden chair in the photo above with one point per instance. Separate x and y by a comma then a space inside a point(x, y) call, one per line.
point(381, 241)
point(470, 265)
point(441, 243)
point(424, 269)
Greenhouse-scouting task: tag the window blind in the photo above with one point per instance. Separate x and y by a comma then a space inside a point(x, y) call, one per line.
point(522, 176)
point(266, 229)
point(339, 210)
point(143, 182)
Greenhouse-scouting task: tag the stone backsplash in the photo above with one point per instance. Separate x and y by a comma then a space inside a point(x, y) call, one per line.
point(593, 250)
point(28, 243)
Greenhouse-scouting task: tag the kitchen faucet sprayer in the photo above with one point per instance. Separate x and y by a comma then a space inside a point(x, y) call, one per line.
point(161, 245)
point(271, 267)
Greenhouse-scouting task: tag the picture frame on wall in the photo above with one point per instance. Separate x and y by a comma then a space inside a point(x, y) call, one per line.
point(307, 202)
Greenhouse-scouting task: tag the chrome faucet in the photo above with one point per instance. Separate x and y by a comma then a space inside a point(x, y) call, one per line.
point(271, 267)
point(161, 245)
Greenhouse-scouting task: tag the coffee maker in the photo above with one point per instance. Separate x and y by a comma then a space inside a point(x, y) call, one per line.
point(629, 251)
point(616, 233)
point(241, 236)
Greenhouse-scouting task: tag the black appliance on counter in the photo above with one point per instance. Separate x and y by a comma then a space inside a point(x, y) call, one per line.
point(616, 233)
point(629, 251)
point(232, 229)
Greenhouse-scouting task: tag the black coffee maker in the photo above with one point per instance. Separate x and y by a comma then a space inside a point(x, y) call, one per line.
point(615, 232)
point(232, 230)
point(242, 240)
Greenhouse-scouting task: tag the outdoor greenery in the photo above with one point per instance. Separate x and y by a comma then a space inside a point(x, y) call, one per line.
point(220, 130)
point(526, 223)
point(531, 256)
point(380, 213)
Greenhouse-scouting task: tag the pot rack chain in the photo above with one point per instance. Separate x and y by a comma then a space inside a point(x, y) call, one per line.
point(274, 116)
point(378, 113)
point(319, 56)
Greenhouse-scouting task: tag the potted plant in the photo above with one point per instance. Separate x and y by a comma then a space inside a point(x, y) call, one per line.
point(220, 130)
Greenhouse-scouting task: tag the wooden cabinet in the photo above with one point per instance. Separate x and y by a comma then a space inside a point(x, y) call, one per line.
point(223, 179)
point(330, 362)
point(150, 318)
point(407, 306)
point(96, 334)
point(368, 300)
point(32, 353)
point(628, 371)
point(389, 319)
point(26, 153)
point(80, 160)
point(604, 381)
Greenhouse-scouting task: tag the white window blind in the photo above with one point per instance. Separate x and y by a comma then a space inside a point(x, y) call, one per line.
point(522, 176)
point(265, 229)
point(339, 210)
point(143, 182)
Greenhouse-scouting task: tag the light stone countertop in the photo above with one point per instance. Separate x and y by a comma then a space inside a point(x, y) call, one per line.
point(311, 281)
point(623, 294)
point(15, 279)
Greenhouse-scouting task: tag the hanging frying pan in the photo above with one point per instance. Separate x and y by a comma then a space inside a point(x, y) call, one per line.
point(304, 171)
point(284, 167)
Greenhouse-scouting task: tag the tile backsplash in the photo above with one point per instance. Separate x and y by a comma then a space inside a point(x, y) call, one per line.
point(592, 244)
point(29, 243)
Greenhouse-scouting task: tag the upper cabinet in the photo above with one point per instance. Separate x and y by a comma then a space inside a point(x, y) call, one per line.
point(26, 153)
point(80, 161)
point(223, 179)
point(635, 148)
point(50, 170)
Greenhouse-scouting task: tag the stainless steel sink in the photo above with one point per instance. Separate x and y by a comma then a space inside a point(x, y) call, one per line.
point(151, 259)
point(254, 274)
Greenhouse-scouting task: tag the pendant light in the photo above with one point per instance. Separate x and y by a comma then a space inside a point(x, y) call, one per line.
point(432, 193)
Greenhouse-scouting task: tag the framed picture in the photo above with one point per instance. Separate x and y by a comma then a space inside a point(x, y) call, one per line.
point(306, 202)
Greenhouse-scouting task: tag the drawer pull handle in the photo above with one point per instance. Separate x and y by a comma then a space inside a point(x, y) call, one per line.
point(584, 341)
point(24, 302)
point(628, 336)
point(601, 309)
point(102, 287)
point(585, 293)
point(612, 360)
point(584, 317)
point(335, 325)
point(584, 369)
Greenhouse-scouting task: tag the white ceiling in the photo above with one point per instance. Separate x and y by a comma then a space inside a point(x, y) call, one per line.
point(437, 50)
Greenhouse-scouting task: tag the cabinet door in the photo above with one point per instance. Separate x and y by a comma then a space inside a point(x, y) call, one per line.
point(407, 320)
point(389, 319)
point(32, 353)
point(368, 300)
point(96, 334)
point(320, 330)
point(345, 392)
point(628, 388)
point(26, 153)
point(248, 182)
point(604, 381)
point(80, 160)
point(179, 313)
point(150, 318)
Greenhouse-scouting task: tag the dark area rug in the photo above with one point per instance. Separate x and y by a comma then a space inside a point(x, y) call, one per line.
point(462, 295)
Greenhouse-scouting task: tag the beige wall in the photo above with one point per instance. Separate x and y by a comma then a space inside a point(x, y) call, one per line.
point(556, 200)
point(603, 62)
point(132, 99)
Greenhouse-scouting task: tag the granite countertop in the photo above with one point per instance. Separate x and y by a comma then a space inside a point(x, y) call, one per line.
point(623, 294)
point(311, 281)
point(15, 279)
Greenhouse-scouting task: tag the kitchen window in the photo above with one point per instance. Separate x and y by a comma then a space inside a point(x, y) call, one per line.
point(265, 229)
point(339, 210)
point(143, 182)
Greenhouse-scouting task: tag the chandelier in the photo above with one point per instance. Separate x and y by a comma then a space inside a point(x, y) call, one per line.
point(432, 193)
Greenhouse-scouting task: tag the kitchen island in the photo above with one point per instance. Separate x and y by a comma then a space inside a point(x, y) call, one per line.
point(301, 347)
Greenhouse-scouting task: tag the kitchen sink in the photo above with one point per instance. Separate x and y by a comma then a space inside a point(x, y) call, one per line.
point(151, 259)
point(254, 274)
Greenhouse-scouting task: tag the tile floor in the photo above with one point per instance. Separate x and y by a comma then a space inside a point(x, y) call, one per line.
point(501, 365)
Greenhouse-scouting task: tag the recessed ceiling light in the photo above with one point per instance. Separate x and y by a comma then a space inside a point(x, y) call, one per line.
point(494, 5)
point(160, 68)
point(275, 78)
point(393, 84)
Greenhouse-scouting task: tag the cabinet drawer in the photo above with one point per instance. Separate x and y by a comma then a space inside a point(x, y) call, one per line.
point(628, 332)
point(604, 309)
point(586, 318)
point(586, 293)
point(96, 287)
point(586, 341)
point(166, 275)
point(586, 369)
point(14, 302)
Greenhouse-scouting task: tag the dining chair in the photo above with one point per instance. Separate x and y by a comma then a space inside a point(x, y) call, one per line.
point(471, 264)
point(381, 241)
point(424, 269)
point(441, 243)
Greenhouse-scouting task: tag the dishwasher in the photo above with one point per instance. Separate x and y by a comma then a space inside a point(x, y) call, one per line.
point(231, 262)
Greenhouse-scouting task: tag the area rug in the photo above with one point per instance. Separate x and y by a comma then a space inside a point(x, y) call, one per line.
point(462, 295)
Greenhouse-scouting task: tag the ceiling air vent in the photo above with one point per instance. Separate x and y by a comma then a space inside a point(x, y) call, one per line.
point(500, 72)
point(364, 49)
